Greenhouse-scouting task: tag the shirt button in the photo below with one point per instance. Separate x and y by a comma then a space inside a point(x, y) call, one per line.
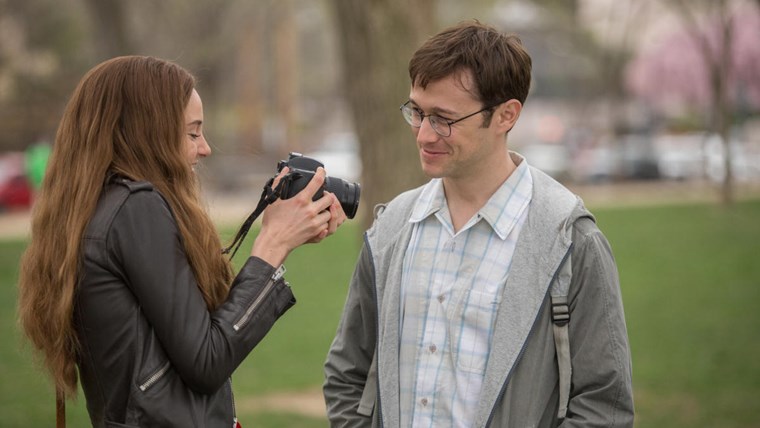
point(424, 401)
point(441, 298)
point(433, 349)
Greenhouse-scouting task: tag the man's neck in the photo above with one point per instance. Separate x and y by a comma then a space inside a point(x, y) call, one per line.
point(466, 195)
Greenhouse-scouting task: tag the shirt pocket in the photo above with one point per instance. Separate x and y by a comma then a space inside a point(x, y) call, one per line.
point(470, 327)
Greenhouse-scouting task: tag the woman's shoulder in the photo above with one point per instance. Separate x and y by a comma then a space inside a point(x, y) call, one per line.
point(124, 198)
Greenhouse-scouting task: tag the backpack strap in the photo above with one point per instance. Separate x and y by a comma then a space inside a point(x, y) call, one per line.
point(561, 320)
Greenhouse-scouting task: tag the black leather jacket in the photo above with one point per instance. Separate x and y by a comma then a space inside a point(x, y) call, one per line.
point(152, 355)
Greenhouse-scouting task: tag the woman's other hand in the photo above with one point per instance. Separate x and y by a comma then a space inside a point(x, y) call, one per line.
point(337, 217)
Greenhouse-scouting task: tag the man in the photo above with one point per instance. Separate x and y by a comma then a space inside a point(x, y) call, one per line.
point(449, 317)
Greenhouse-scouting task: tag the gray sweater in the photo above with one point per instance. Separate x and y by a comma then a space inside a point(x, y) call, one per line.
point(520, 387)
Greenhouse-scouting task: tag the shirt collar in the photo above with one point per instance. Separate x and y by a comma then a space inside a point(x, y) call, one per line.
point(503, 209)
point(431, 200)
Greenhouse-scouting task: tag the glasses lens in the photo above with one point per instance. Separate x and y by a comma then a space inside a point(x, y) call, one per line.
point(440, 126)
point(410, 115)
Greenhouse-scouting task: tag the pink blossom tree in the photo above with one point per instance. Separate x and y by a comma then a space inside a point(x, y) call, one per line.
point(712, 65)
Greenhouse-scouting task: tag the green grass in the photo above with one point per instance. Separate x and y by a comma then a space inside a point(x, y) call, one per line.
point(291, 356)
point(691, 287)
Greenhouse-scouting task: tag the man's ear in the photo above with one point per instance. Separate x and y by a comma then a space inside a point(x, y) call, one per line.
point(506, 114)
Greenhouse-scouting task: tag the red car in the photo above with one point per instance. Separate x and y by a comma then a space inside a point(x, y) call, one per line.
point(15, 193)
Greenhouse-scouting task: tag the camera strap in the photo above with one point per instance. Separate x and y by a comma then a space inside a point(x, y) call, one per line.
point(268, 196)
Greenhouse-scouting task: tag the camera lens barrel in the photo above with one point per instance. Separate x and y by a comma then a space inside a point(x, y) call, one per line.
point(347, 193)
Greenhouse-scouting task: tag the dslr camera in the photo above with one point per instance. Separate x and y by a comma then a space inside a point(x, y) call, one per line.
point(302, 169)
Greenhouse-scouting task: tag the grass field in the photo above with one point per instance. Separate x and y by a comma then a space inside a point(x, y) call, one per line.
point(691, 285)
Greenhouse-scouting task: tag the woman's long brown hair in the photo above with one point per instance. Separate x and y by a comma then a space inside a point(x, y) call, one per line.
point(126, 116)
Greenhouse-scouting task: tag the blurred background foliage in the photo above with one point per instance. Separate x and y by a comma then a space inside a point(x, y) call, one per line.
point(622, 89)
point(625, 92)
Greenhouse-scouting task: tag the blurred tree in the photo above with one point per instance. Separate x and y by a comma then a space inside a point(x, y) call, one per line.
point(41, 60)
point(109, 21)
point(286, 75)
point(377, 38)
point(708, 65)
point(563, 8)
point(716, 53)
point(46, 47)
point(202, 36)
point(250, 108)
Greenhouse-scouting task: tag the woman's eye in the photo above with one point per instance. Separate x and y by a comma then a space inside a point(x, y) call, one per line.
point(194, 136)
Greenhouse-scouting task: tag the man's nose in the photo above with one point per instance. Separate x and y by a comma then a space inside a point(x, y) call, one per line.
point(426, 133)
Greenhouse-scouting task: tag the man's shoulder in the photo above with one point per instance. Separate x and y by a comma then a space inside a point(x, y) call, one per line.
point(552, 190)
point(391, 217)
point(552, 197)
point(400, 206)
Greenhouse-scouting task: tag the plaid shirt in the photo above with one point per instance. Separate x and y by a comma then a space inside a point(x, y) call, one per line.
point(451, 290)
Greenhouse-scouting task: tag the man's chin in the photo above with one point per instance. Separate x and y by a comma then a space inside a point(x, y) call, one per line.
point(432, 172)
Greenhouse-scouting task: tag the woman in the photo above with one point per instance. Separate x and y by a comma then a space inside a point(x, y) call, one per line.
point(124, 280)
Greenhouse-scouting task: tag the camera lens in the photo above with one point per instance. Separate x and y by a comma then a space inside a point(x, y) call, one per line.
point(347, 193)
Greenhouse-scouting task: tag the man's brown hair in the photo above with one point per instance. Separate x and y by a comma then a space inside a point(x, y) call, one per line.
point(499, 64)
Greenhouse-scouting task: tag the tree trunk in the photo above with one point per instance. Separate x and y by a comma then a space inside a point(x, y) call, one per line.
point(718, 60)
point(109, 24)
point(377, 38)
point(724, 111)
point(248, 96)
point(286, 75)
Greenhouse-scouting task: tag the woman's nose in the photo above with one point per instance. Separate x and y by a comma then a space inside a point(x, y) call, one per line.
point(203, 148)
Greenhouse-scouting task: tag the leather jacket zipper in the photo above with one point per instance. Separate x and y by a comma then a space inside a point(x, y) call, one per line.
point(232, 398)
point(270, 284)
point(155, 377)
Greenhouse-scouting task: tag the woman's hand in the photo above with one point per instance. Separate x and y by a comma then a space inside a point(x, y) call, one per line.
point(289, 223)
point(337, 217)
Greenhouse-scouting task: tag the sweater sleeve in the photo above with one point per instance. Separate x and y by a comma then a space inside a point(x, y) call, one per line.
point(204, 347)
point(601, 394)
point(348, 365)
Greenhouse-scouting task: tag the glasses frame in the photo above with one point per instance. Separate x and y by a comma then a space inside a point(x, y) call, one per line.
point(438, 119)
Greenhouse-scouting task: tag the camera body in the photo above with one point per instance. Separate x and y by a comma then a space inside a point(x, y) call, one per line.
point(301, 171)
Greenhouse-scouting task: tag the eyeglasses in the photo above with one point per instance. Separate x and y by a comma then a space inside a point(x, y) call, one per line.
point(441, 126)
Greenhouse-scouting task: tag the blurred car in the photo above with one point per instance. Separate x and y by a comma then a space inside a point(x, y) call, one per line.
point(15, 189)
point(638, 157)
point(745, 160)
point(339, 153)
point(15, 193)
point(599, 164)
point(681, 156)
point(553, 159)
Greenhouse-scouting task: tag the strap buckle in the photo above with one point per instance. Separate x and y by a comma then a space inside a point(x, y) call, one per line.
point(560, 311)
